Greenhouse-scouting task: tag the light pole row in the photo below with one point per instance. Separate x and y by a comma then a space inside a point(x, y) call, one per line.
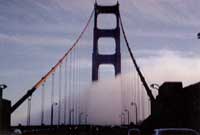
point(70, 114)
point(122, 116)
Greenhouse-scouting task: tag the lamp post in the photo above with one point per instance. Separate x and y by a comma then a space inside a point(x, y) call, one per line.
point(155, 86)
point(136, 115)
point(29, 112)
point(2, 87)
point(70, 116)
point(86, 118)
point(122, 116)
point(80, 117)
point(52, 111)
point(126, 110)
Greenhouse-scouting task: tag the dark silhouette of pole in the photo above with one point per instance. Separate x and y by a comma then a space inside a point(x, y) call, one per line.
point(52, 112)
point(80, 117)
point(29, 112)
point(52, 115)
point(126, 110)
point(136, 115)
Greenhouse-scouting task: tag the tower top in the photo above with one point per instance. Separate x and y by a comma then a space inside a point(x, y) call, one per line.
point(96, 3)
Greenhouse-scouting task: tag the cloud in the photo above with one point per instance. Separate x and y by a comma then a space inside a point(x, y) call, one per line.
point(170, 66)
point(104, 103)
point(177, 12)
point(30, 40)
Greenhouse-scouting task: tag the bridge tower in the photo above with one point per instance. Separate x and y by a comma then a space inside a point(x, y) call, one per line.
point(98, 59)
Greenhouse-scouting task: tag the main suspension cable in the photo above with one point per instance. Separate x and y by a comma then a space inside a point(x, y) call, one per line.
point(65, 91)
point(149, 93)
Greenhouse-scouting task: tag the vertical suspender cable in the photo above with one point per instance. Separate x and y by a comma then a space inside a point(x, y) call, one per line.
point(73, 90)
point(79, 88)
point(126, 91)
point(130, 85)
point(72, 109)
point(42, 104)
point(122, 92)
point(75, 86)
point(122, 96)
point(65, 91)
point(78, 75)
point(52, 98)
point(78, 83)
point(144, 104)
point(135, 91)
point(138, 95)
point(60, 92)
point(140, 102)
point(131, 93)
point(70, 82)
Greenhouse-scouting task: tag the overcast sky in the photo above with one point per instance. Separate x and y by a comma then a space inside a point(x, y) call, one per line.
point(34, 34)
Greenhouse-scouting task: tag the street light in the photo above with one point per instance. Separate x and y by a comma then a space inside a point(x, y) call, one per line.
point(29, 111)
point(52, 108)
point(2, 87)
point(72, 110)
point(80, 117)
point(86, 117)
point(155, 86)
point(126, 110)
point(136, 115)
point(122, 116)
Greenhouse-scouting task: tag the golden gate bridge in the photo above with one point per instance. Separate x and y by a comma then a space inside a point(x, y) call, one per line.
point(66, 78)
